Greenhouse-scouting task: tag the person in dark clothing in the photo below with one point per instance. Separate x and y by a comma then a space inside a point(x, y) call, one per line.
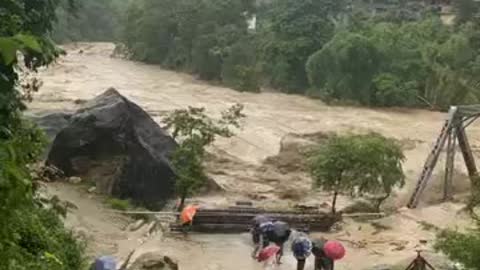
point(322, 262)
point(279, 235)
point(260, 229)
point(301, 249)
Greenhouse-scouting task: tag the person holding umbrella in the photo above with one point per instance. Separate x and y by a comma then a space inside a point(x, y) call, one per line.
point(301, 248)
point(326, 252)
point(279, 235)
point(261, 227)
point(187, 215)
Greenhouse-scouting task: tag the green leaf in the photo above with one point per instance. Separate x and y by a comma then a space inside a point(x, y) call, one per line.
point(29, 42)
point(51, 257)
point(8, 50)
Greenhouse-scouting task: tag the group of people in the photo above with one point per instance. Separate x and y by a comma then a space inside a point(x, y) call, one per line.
point(269, 237)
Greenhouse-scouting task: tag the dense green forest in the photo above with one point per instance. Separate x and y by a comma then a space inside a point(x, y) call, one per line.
point(208, 38)
point(89, 20)
point(31, 236)
point(324, 48)
point(336, 50)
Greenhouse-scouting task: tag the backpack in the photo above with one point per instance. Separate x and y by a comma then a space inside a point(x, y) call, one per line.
point(281, 231)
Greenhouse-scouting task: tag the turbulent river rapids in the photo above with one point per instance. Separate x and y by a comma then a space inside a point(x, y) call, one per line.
point(89, 70)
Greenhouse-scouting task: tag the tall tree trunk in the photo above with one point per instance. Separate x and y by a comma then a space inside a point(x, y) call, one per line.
point(334, 202)
point(380, 201)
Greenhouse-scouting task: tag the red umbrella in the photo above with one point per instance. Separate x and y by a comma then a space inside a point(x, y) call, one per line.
point(334, 250)
point(268, 252)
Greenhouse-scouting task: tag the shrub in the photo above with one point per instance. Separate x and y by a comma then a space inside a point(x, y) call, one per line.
point(119, 204)
point(461, 247)
point(41, 242)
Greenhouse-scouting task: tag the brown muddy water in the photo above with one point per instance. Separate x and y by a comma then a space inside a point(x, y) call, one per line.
point(270, 117)
point(216, 252)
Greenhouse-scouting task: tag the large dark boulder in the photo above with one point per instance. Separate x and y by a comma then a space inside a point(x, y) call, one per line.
point(114, 143)
point(51, 122)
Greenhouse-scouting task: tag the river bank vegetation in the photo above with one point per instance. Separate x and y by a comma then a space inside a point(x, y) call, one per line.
point(32, 236)
point(339, 51)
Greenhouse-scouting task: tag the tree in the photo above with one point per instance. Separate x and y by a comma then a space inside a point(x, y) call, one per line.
point(454, 71)
point(202, 37)
point(465, 10)
point(344, 68)
point(358, 165)
point(89, 20)
point(239, 69)
point(194, 131)
point(289, 32)
point(31, 237)
point(419, 63)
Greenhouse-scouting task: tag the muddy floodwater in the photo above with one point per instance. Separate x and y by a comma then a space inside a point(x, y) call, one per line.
point(216, 252)
point(88, 70)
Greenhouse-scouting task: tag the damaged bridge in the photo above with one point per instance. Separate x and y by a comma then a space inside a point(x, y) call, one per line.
point(235, 220)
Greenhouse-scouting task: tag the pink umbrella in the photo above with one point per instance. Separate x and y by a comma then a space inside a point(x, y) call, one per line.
point(268, 252)
point(334, 250)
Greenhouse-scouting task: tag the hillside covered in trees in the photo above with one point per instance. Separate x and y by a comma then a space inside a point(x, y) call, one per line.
point(400, 57)
point(376, 53)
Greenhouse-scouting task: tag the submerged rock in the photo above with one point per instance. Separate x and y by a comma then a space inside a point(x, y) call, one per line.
point(74, 180)
point(136, 225)
point(153, 261)
point(117, 145)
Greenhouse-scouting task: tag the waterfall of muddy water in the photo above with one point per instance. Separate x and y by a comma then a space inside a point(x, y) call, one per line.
point(270, 117)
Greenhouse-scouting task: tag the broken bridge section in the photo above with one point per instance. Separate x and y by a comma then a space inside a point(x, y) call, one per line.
point(237, 220)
